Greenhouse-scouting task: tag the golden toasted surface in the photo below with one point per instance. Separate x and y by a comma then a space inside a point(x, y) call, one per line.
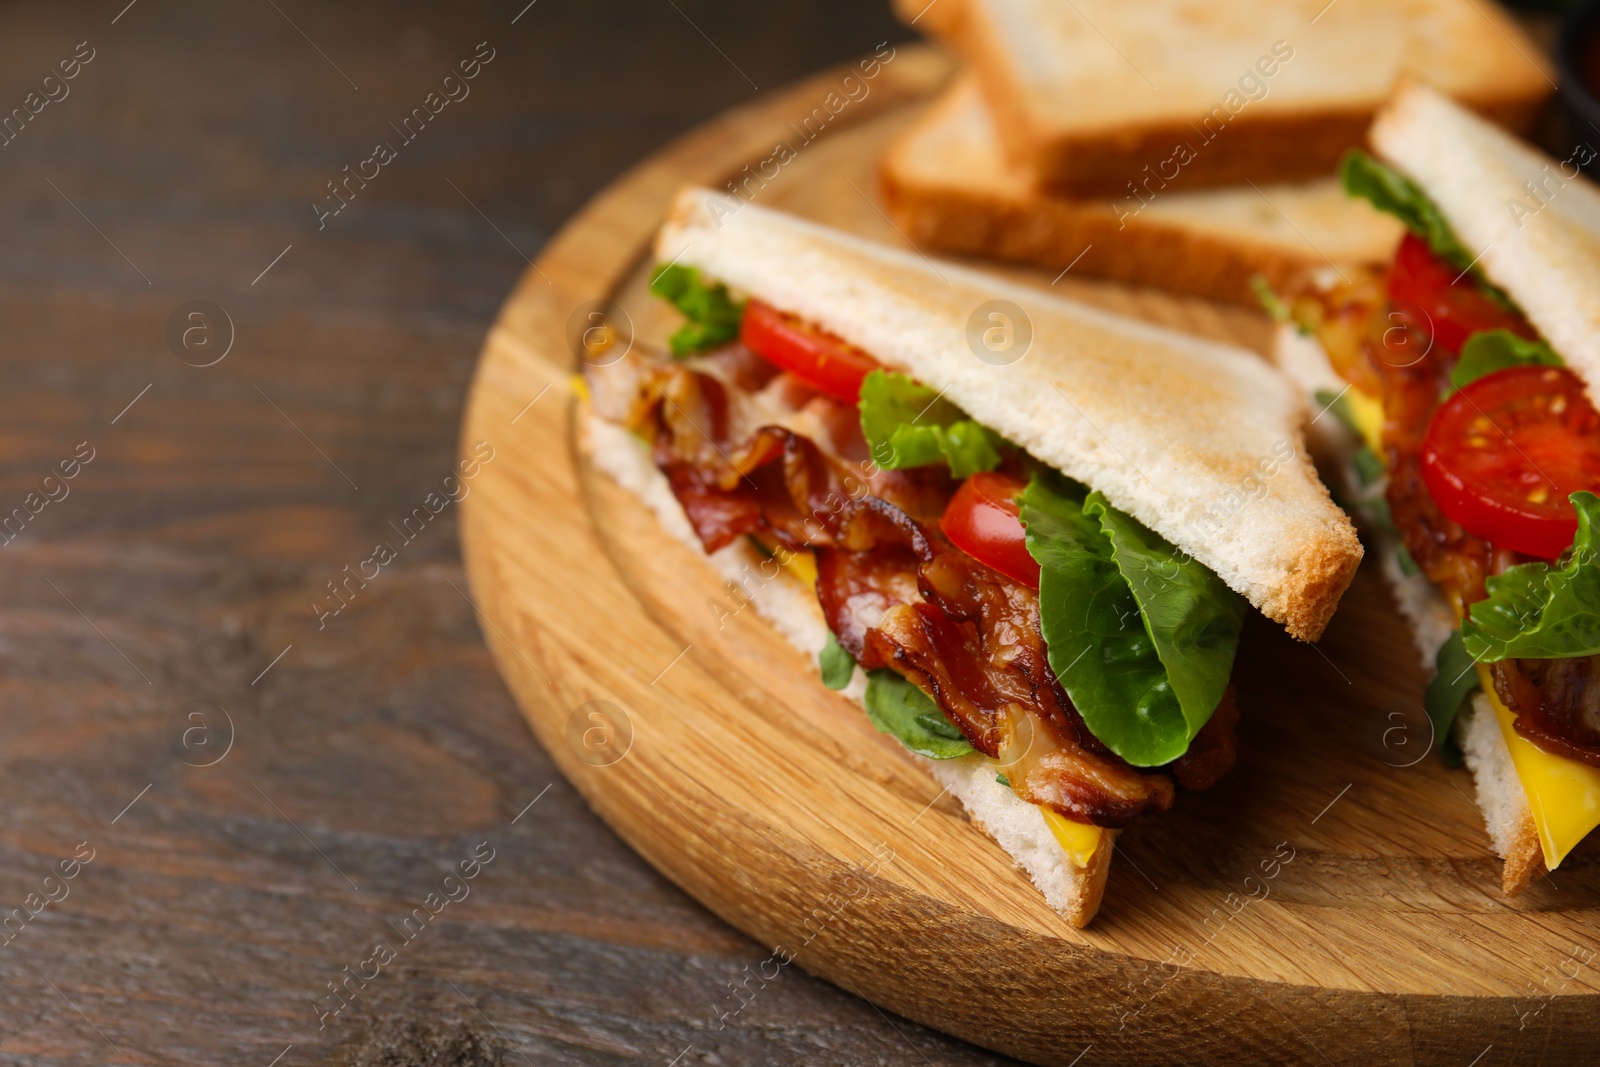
point(1524, 860)
point(1091, 92)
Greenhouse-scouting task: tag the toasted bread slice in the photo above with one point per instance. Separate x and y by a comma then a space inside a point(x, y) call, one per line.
point(1092, 93)
point(948, 186)
point(1016, 826)
point(1200, 441)
point(1540, 242)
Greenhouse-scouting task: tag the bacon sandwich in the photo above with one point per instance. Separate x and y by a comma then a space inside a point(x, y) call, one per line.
point(1020, 531)
point(1465, 377)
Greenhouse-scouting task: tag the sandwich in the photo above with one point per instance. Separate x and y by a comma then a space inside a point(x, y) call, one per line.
point(1020, 531)
point(1464, 375)
point(948, 186)
point(1110, 98)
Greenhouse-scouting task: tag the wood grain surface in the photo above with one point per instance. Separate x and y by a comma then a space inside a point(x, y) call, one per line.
point(1333, 900)
point(191, 549)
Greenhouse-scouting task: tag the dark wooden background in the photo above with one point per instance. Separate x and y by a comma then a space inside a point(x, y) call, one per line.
point(186, 557)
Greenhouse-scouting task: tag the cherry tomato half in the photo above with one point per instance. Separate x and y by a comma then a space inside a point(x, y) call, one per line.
point(1502, 456)
point(829, 364)
point(1421, 282)
point(983, 521)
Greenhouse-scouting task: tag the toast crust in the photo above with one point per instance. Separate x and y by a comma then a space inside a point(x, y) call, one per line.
point(1072, 105)
point(1257, 148)
point(1051, 236)
point(946, 186)
point(1507, 815)
point(1524, 859)
point(930, 16)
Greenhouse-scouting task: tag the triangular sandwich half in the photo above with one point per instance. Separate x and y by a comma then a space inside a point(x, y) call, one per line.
point(1467, 372)
point(1027, 529)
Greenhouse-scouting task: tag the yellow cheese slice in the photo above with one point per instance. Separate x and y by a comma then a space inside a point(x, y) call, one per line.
point(1367, 414)
point(1078, 840)
point(1564, 794)
point(803, 565)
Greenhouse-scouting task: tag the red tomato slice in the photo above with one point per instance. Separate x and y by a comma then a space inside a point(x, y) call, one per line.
point(829, 364)
point(983, 521)
point(1426, 289)
point(1502, 456)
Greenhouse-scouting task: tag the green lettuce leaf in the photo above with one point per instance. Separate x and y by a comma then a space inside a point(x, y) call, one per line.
point(1368, 466)
point(1188, 612)
point(713, 316)
point(1337, 405)
point(1103, 647)
point(901, 710)
point(1488, 351)
point(910, 425)
point(1543, 610)
point(837, 665)
point(1392, 192)
point(1454, 679)
point(1268, 298)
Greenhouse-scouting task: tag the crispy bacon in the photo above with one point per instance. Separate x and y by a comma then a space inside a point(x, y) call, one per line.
point(1557, 703)
point(970, 639)
point(1213, 749)
point(766, 480)
point(777, 484)
point(1446, 553)
point(897, 594)
point(872, 571)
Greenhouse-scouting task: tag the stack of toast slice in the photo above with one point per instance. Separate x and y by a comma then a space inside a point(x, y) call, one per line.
point(1181, 144)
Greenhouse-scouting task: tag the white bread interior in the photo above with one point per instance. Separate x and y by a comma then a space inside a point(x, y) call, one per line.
point(1096, 89)
point(1507, 815)
point(1015, 825)
point(1184, 434)
point(948, 185)
point(1546, 257)
point(1501, 798)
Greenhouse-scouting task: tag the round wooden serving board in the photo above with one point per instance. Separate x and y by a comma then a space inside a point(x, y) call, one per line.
point(1333, 900)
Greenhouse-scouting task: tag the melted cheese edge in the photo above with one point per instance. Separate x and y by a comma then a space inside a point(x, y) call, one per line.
point(1367, 414)
point(1078, 840)
point(1563, 794)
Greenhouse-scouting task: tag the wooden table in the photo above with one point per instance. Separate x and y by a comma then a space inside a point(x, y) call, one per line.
point(265, 795)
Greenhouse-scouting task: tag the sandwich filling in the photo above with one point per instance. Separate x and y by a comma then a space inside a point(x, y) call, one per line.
point(1482, 456)
point(996, 606)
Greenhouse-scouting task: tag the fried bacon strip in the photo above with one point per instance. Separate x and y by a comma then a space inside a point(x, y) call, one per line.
point(969, 637)
point(897, 594)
